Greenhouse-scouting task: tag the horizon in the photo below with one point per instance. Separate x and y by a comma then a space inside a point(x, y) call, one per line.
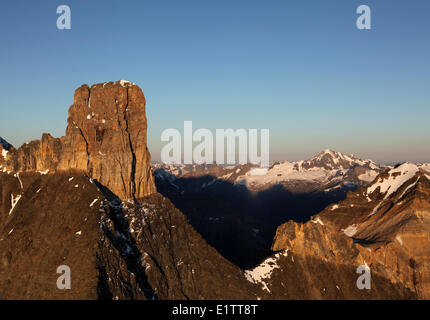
point(337, 87)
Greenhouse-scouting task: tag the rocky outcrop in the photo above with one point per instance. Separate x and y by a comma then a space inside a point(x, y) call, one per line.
point(105, 137)
point(315, 261)
point(385, 225)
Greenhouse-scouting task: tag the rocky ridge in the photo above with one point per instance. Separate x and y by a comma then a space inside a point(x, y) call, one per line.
point(384, 225)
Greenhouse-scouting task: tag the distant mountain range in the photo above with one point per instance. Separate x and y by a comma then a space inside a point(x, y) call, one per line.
point(328, 170)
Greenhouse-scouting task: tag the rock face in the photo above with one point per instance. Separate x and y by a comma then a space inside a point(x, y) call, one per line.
point(115, 249)
point(105, 137)
point(36, 238)
point(324, 263)
point(385, 225)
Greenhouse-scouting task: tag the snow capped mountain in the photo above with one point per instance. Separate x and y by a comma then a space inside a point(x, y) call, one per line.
point(328, 170)
point(333, 160)
point(375, 206)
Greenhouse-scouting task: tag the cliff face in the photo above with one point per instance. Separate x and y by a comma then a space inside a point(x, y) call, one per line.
point(36, 238)
point(316, 261)
point(384, 225)
point(105, 137)
point(115, 249)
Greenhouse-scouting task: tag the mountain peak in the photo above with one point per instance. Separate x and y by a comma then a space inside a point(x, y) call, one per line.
point(333, 160)
point(105, 138)
point(329, 151)
point(336, 154)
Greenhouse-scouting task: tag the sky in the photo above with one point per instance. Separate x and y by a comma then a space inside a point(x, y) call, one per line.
point(299, 68)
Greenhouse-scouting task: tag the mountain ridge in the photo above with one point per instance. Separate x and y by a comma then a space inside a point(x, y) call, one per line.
point(326, 170)
point(388, 222)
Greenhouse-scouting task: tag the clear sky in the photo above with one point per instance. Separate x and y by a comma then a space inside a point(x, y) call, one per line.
point(297, 67)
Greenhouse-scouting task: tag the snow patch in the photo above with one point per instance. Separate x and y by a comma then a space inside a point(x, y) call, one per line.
point(375, 210)
point(368, 176)
point(16, 175)
point(92, 203)
point(258, 171)
point(350, 230)
point(397, 177)
point(409, 188)
point(399, 239)
point(14, 201)
point(261, 273)
point(318, 220)
point(125, 82)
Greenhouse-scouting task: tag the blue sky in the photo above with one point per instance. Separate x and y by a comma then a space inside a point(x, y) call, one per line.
point(299, 68)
